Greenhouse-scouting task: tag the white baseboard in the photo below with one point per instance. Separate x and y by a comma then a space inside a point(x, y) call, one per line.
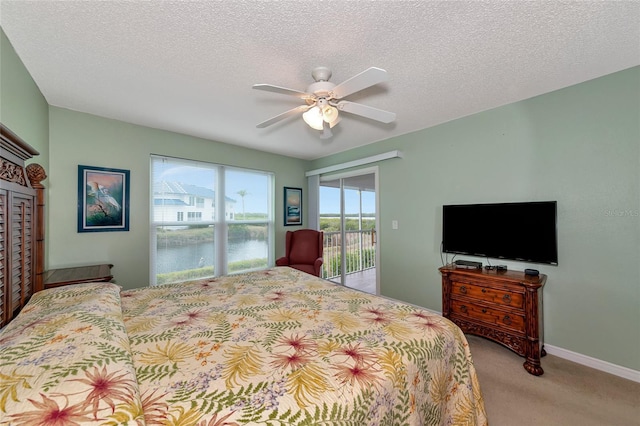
point(598, 364)
point(607, 367)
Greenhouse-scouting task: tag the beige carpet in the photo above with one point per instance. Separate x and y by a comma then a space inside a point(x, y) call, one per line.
point(567, 394)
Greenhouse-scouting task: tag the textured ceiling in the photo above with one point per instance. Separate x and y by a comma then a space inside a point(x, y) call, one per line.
point(188, 67)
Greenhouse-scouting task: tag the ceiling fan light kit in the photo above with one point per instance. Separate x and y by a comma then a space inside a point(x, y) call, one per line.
point(313, 117)
point(316, 116)
point(330, 114)
point(324, 100)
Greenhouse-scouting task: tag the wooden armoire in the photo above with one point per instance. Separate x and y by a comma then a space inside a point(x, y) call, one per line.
point(21, 225)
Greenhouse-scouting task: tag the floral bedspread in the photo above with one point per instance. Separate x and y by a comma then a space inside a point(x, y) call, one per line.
point(274, 347)
point(65, 360)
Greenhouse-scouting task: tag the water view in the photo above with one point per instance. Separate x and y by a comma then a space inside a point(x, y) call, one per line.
point(194, 256)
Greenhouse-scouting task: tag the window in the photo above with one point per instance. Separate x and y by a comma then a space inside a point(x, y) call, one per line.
point(194, 216)
point(235, 237)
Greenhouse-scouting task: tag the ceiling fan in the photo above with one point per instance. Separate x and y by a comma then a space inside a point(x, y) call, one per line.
point(324, 100)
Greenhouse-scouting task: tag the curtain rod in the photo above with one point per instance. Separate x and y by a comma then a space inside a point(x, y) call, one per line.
point(355, 163)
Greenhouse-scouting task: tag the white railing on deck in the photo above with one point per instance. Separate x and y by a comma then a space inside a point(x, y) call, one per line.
point(360, 252)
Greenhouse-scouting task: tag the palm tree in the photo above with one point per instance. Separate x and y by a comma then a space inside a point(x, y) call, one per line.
point(242, 193)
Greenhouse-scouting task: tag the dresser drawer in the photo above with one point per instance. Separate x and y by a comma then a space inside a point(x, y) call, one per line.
point(488, 294)
point(491, 316)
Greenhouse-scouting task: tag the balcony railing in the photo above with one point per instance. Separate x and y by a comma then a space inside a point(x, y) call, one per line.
point(360, 252)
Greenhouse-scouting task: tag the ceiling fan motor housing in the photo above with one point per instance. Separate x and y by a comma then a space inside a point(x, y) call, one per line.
point(321, 74)
point(321, 88)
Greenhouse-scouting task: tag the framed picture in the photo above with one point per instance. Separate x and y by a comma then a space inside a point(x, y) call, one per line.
point(103, 199)
point(292, 206)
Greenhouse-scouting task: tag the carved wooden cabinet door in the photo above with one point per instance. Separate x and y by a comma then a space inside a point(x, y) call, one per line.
point(21, 245)
point(19, 217)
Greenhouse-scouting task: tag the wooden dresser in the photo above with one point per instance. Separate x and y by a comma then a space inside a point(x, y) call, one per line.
point(21, 225)
point(504, 306)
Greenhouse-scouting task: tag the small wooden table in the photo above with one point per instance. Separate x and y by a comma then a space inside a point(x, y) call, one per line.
point(77, 275)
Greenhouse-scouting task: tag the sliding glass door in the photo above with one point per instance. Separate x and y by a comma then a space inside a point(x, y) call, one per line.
point(348, 218)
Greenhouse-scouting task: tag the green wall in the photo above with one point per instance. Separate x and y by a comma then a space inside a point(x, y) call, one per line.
point(78, 138)
point(579, 146)
point(23, 109)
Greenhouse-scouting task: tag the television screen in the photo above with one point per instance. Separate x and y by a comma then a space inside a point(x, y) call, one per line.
point(517, 231)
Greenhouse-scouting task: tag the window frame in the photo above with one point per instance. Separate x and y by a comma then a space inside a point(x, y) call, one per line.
point(220, 221)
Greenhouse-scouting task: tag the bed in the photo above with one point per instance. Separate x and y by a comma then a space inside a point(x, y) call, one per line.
point(272, 347)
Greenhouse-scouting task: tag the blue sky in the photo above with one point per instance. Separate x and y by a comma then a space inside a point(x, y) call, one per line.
point(330, 201)
point(256, 186)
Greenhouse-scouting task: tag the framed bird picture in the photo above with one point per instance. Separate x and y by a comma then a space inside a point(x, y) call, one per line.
point(103, 199)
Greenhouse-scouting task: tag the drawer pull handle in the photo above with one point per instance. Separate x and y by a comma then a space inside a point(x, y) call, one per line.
point(506, 320)
point(506, 298)
point(484, 290)
point(463, 308)
point(463, 289)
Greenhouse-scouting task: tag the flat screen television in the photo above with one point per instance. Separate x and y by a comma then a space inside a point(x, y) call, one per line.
point(517, 231)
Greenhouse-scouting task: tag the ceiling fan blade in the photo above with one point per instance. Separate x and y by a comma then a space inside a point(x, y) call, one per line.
point(367, 78)
point(286, 114)
point(283, 91)
point(366, 111)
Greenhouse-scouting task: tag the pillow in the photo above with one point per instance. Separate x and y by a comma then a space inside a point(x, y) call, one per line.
point(67, 356)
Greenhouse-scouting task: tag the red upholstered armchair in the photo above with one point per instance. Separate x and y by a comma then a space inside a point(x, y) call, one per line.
point(303, 251)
